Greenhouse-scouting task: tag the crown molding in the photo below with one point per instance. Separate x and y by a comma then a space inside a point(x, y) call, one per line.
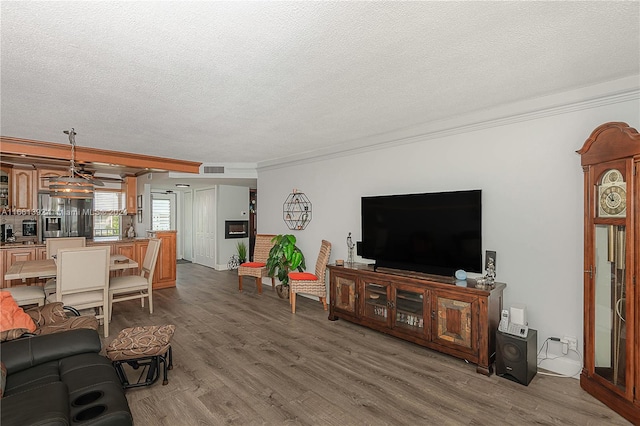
point(611, 92)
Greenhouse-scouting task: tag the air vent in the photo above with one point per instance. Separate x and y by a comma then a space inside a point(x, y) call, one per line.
point(213, 169)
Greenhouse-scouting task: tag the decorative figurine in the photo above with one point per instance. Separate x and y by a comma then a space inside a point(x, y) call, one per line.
point(350, 246)
point(488, 281)
point(491, 272)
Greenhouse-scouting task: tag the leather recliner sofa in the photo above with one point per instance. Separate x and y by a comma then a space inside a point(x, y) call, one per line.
point(61, 379)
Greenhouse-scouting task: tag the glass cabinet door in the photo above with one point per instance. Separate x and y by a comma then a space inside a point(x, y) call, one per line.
point(610, 328)
point(410, 310)
point(376, 302)
point(4, 188)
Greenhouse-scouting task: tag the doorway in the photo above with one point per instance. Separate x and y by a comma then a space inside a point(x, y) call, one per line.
point(205, 227)
point(188, 226)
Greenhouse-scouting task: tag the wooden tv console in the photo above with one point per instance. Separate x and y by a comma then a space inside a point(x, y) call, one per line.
point(452, 317)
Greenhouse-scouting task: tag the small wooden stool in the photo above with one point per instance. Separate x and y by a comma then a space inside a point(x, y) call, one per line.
point(147, 346)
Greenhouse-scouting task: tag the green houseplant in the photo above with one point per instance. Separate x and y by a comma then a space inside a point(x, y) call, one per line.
point(241, 247)
point(284, 257)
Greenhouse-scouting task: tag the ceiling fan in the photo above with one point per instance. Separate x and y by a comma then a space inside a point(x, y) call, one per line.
point(89, 175)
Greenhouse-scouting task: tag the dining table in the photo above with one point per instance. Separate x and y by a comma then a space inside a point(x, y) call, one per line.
point(47, 268)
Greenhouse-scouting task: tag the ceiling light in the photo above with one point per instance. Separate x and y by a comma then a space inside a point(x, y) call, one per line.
point(72, 186)
point(182, 185)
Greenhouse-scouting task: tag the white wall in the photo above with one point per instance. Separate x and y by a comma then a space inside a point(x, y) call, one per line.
point(232, 203)
point(532, 194)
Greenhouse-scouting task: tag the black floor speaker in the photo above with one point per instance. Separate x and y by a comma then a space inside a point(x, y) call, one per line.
point(516, 357)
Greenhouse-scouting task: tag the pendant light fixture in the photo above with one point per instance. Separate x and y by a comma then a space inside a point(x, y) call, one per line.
point(72, 186)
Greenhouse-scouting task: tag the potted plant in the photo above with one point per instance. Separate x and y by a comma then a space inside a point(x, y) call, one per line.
point(284, 257)
point(241, 247)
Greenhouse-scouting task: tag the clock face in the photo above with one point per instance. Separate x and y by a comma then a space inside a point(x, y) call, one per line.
point(612, 195)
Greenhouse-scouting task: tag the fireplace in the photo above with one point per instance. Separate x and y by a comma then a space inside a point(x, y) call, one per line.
point(236, 228)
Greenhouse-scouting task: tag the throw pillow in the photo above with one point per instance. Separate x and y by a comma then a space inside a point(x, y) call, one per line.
point(14, 322)
point(51, 313)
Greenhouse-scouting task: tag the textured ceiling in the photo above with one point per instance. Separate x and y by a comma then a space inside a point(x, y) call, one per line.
point(258, 81)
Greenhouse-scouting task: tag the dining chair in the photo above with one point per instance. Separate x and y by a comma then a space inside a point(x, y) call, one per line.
point(83, 280)
point(52, 245)
point(128, 287)
point(27, 294)
point(308, 283)
point(258, 267)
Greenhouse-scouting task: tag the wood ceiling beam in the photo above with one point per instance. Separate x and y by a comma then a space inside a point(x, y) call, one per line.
point(40, 149)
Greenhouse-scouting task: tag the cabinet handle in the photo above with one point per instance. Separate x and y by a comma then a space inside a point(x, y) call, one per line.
point(390, 304)
point(433, 314)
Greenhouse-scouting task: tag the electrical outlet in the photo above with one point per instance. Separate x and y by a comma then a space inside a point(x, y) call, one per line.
point(571, 342)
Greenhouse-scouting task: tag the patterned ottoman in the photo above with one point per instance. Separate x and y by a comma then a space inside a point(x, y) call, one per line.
point(147, 346)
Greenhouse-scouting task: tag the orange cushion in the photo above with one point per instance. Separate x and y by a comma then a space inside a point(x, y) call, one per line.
point(302, 276)
point(253, 264)
point(13, 316)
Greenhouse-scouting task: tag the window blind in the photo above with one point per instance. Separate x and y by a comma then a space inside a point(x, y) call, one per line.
point(107, 206)
point(108, 202)
point(161, 215)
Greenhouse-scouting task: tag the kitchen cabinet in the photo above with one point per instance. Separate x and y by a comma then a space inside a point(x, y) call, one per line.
point(12, 255)
point(165, 275)
point(23, 189)
point(45, 174)
point(131, 194)
point(41, 253)
point(451, 317)
point(5, 187)
point(124, 249)
point(165, 272)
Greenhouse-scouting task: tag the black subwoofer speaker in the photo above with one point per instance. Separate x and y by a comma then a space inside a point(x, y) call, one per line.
point(516, 357)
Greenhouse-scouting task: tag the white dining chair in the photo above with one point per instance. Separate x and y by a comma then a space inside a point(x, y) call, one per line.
point(83, 280)
point(27, 294)
point(52, 245)
point(129, 287)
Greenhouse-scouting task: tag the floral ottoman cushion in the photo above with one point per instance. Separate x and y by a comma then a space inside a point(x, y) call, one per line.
point(141, 342)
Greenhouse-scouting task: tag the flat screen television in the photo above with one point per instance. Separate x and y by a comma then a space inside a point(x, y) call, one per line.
point(435, 233)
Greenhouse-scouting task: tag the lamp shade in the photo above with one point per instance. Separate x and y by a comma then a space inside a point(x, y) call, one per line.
point(70, 187)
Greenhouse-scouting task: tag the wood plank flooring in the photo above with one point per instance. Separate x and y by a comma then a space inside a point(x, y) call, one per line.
point(244, 359)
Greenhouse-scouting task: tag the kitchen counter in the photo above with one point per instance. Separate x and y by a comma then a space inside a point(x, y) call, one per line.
point(133, 248)
point(90, 242)
point(23, 244)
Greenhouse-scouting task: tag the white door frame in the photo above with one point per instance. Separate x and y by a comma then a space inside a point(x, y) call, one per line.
point(187, 226)
point(205, 227)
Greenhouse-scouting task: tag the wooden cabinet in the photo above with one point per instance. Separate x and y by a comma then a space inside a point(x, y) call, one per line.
point(12, 255)
point(611, 163)
point(131, 194)
point(141, 250)
point(165, 274)
point(45, 174)
point(125, 249)
point(41, 253)
point(453, 319)
point(23, 189)
point(344, 297)
point(5, 187)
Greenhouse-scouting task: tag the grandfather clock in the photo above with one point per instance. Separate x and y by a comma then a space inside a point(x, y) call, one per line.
point(611, 164)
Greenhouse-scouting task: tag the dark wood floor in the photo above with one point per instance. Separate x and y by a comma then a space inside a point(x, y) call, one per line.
point(244, 359)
